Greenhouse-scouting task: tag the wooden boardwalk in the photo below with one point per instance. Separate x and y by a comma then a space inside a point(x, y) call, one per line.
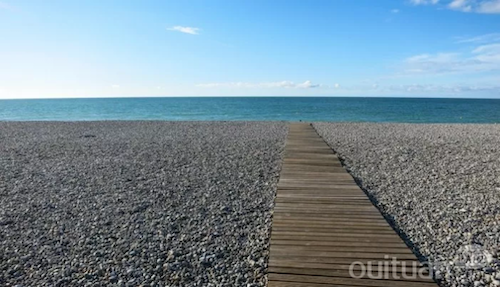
point(323, 222)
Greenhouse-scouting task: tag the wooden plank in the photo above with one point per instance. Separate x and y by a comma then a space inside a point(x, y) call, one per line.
point(299, 167)
point(327, 218)
point(339, 229)
point(395, 274)
point(273, 264)
point(355, 248)
point(347, 281)
point(328, 206)
point(341, 254)
point(323, 222)
point(320, 200)
point(308, 224)
point(334, 261)
point(329, 188)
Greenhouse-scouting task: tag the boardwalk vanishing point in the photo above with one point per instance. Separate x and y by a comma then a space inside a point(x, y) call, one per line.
point(326, 231)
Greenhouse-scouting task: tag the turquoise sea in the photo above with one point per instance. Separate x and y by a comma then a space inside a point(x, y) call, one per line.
point(411, 110)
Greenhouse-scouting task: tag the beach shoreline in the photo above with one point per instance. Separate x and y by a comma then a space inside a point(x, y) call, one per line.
point(190, 203)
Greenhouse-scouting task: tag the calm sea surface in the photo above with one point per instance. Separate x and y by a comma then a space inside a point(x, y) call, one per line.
point(251, 108)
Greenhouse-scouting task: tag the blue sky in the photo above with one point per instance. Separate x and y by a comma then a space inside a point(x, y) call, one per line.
point(413, 48)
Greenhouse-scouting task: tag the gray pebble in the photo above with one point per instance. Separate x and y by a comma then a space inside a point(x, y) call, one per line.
point(439, 185)
point(129, 203)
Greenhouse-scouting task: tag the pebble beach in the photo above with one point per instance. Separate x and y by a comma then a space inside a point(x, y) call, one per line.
point(145, 203)
point(439, 184)
point(137, 203)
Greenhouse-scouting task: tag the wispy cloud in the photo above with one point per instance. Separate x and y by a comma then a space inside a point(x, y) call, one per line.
point(282, 84)
point(436, 89)
point(488, 54)
point(307, 85)
point(460, 5)
point(489, 7)
point(482, 39)
point(482, 58)
point(187, 30)
point(424, 2)
point(376, 88)
point(395, 11)
point(488, 49)
point(476, 6)
point(421, 89)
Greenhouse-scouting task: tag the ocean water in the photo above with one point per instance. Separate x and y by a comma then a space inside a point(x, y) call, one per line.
point(410, 110)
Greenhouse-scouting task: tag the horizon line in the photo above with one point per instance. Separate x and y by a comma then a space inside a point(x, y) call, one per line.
point(153, 97)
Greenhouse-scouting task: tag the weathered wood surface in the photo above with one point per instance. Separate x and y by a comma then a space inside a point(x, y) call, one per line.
point(323, 222)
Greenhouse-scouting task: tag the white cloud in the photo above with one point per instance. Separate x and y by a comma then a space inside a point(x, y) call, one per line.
point(428, 89)
point(487, 49)
point(480, 59)
point(488, 53)
point(447, 89)
point(461, 5)
point(424, 2)
point(476, 6)
point(115, 86)
point(372, 88)
point(187, 30)
point(489, 7)
point(488, 38)
point(436, 58)
point(282, 84)
point(307, 85)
